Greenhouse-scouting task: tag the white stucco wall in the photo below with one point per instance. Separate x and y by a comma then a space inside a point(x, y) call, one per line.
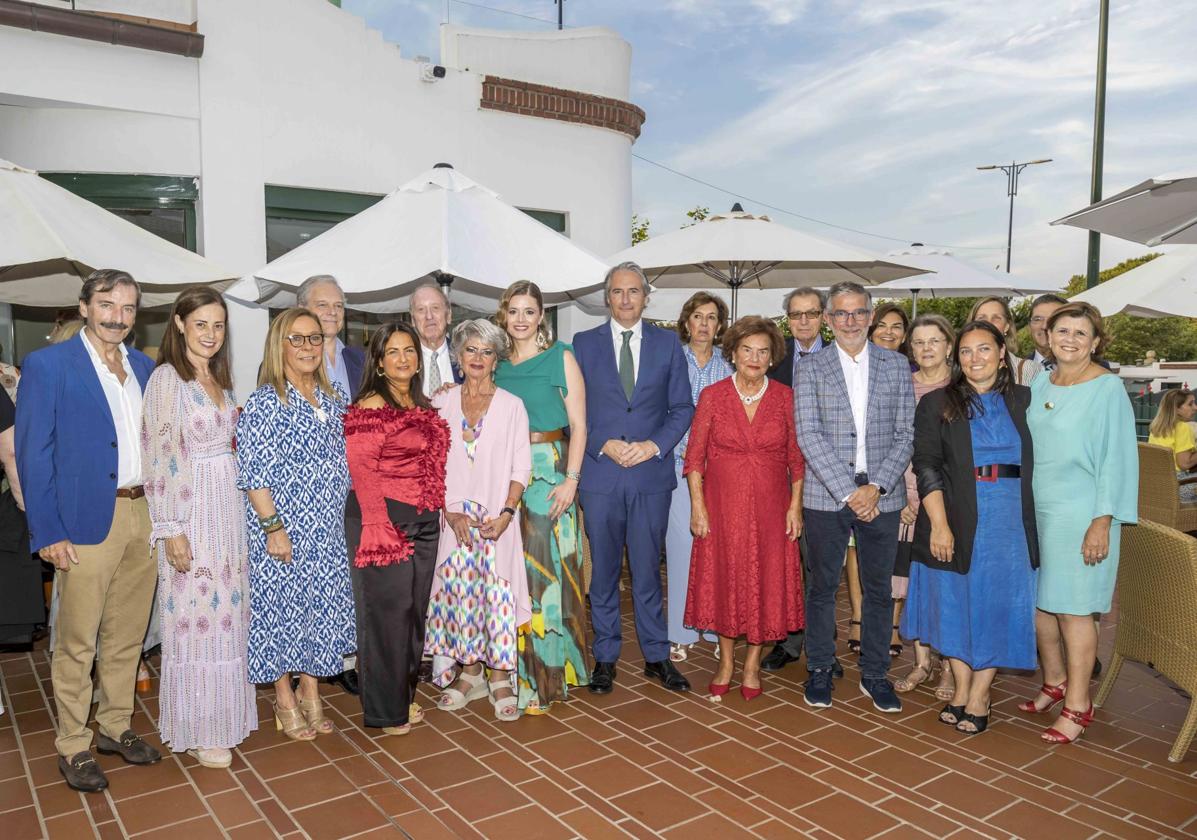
point(300, 93)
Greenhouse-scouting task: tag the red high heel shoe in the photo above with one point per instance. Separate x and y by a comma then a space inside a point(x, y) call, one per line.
point(1055, 736)
point(1055, 692)
point(750, 693)
point(719, 689)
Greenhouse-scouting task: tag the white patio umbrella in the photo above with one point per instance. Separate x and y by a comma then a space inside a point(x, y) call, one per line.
point(1159, 211)
point(740, 251)
point(953, 277)
point(50, 239)
point(439, 226)
point(1161, 288)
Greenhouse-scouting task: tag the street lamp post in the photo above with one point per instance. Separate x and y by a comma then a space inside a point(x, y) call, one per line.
point(1012, 170)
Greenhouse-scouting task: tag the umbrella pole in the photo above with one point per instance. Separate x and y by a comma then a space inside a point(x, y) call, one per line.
point(914, 305)
point(445, 281)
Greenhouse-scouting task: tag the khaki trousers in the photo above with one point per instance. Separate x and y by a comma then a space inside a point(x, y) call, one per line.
point(104, 602)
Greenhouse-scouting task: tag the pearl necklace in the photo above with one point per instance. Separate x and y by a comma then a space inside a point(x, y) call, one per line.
point(755, 397)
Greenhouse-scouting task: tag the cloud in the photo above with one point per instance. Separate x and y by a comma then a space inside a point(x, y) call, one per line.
point(706, 14)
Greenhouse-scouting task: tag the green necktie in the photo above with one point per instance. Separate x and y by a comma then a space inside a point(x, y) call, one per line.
point(627, 367)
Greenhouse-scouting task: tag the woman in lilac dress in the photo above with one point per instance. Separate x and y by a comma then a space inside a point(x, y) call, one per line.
point(206, 702)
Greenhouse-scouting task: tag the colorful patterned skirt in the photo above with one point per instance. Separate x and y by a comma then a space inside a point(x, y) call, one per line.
point(471, 618)
point(552, 649)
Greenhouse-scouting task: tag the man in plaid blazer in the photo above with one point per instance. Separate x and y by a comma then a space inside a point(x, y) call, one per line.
point(854, 412)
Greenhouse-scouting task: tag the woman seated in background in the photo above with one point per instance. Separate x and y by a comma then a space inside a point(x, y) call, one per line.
point(396, 447)
point(930, 346)
point(1171, 429)
point(996, 311)
point(972, 585)
point(480, 591)
point(745, 474)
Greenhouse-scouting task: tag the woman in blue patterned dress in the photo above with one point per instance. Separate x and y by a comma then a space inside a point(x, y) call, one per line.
point(700, 326)
point(291, 458)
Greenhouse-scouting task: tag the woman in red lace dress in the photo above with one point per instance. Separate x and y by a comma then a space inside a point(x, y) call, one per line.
point(397, 445)
point(745, 473)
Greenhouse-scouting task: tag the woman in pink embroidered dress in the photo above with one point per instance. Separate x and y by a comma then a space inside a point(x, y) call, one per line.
point(396, 445)
point(206, 702)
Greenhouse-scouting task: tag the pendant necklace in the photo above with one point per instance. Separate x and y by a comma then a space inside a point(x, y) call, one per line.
point(755, 397)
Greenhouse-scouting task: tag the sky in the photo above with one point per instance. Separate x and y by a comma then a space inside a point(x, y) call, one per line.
point(875, 115)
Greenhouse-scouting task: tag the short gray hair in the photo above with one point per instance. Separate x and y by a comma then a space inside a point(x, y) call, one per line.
point(625, 266)
point(849, 287)
point(804, 291)
point(480, 328)
point(305, 288)
point(436, 288)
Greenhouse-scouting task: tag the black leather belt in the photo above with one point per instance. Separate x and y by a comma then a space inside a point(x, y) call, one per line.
point(992, 472)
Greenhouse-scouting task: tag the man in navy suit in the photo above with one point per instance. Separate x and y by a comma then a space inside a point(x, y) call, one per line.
point(79, 459)
point(637, 409)
point(854, 412)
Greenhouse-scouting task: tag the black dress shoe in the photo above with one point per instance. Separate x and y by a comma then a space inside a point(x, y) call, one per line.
point(777, 659)
point(130, 747)
point(82, 772)
point(669, 675)
point(603, 678)
point(347, 680)
point(425, 674)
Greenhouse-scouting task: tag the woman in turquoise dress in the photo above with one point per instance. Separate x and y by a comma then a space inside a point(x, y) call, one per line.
point(553, 654)
point(972, 587)
point(1086, 488)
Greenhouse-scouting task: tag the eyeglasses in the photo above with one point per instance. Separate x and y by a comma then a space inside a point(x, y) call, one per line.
point(804, 315)
point(920, 344)
point(842, 316)
point(484, 352)
point(315, 339)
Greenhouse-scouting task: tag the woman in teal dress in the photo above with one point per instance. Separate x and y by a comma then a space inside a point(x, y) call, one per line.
point(553, 654)
point(1086, 487)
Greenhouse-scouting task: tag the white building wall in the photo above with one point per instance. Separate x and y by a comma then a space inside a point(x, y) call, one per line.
point(300, 93)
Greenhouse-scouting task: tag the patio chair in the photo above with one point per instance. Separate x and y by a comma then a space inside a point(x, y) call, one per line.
point(1159, 490)
point(1157, 614)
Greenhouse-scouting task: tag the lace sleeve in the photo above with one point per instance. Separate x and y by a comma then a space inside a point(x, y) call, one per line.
point(165, 454)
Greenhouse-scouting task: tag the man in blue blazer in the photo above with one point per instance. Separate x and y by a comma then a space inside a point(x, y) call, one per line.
point(78, 440)
point(637, 409)
point(854, 413)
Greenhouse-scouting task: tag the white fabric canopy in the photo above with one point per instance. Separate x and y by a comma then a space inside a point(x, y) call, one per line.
point(953, 277)
point(439, 226)
point(1159, 211)
point(740, 251)
point(1163, 287)
point(50, 239)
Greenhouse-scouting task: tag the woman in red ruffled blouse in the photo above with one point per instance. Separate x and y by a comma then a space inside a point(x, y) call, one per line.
point(396, 445)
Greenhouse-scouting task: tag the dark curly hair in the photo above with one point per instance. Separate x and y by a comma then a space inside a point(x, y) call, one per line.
point(702, 299)
point(751, 325)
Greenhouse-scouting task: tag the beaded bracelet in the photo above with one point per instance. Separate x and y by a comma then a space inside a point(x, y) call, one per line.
point(270, 524)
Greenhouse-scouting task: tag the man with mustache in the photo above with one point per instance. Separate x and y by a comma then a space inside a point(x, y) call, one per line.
point(79, 459)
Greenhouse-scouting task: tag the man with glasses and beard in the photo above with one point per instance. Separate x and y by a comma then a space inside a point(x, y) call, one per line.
point(79, 459)
point(854, 411)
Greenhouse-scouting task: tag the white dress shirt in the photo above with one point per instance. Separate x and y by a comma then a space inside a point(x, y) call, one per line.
point(617, 339)
point(443, 363)
point(124, 401)
point(856, 378)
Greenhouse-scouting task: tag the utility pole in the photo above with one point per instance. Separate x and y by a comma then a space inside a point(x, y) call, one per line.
point(560, 13)
point(1012, 170)
point(1099, 141)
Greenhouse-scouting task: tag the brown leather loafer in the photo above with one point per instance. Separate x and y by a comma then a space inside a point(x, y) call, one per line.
point(82, 772)
point(130, 747)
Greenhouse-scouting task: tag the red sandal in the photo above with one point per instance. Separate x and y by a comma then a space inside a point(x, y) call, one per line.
point(1055, 736)
point(1055, 692)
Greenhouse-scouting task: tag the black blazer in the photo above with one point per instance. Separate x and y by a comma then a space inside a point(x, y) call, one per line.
point(943, 460)
point(783, 371)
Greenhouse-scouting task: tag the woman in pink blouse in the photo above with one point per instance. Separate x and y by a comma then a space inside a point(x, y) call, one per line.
point(206, 702)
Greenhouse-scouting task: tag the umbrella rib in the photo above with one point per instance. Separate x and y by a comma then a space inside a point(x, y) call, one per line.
point(710, 270)
point(764, 268)
point(1163, 238)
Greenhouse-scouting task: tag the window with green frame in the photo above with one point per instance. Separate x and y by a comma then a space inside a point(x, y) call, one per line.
point(550, 219)
point(162, 204)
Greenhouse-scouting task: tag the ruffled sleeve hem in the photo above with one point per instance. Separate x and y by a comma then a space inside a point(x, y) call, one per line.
point(165, 530)
point(382, 545)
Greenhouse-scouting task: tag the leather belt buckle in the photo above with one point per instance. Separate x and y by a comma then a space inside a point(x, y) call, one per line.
point(131, 492)
point(986, 473)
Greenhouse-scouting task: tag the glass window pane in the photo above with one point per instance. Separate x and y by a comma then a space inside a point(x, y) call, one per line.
point(169, 223)
point(283, 235)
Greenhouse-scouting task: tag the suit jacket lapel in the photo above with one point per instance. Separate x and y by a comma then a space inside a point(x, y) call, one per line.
point(90, 379)
point(835, 371)
point(876, 360)
point(647, 347)
point(607, 355)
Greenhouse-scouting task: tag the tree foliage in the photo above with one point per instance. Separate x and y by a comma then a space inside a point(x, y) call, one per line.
point(639, 229)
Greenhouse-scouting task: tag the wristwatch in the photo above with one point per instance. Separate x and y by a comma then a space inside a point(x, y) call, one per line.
point(510, 510)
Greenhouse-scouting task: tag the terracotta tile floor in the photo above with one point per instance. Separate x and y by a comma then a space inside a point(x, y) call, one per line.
point(640, 762)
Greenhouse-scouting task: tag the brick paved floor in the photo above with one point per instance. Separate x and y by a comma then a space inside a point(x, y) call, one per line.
point(641, 762)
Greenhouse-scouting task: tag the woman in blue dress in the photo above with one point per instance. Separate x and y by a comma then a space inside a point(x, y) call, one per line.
point(1086, 488)
point(972, 585)
point(291, 460)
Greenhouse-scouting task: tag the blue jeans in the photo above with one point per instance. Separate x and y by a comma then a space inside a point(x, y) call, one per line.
point(876, 547)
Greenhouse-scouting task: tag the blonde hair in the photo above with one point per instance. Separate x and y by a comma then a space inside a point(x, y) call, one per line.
point(1164, 424)
point(1011, 332)
point(544, 336)
point(273, 370)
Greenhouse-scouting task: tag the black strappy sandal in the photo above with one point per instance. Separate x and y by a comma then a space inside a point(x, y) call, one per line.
point(956, 713)
point(895, 650)
point(980, 722)
point(854, 644)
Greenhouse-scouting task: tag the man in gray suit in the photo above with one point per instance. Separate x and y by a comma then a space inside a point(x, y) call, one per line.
point(854, 409)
